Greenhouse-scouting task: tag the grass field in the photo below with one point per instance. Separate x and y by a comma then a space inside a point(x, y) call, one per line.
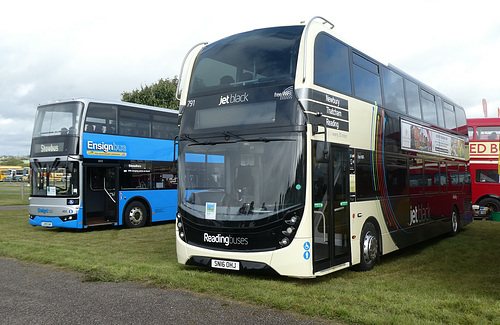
point(443, 281)
point(10, 193)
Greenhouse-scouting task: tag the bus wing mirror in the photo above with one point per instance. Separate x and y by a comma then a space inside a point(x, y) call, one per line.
point(322, 148)
point(322, 152)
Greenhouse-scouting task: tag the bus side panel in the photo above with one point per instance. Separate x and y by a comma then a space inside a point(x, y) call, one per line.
point(163, 203)
point(361, 212)
point(485, 185)
point(419, 218)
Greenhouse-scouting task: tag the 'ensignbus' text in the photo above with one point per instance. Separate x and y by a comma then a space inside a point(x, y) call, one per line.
point(106, 147)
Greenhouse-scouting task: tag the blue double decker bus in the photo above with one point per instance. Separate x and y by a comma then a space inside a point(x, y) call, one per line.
point(100, 162)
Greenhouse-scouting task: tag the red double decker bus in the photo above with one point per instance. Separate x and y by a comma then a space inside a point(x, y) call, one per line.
point(484, 149)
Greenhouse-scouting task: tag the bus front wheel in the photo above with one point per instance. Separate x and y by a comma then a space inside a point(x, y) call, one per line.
point(491, 203)
point(135, 215)
point(369, 248)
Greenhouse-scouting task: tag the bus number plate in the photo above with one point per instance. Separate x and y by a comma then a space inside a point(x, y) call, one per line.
point(228, 265)
point(46, 224)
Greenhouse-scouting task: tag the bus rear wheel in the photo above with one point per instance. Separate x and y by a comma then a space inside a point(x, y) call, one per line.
point(369, 248)
point(454, 222)
point(135, 215)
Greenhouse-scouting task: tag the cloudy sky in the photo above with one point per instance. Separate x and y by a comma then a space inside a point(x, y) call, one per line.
point(60, 49)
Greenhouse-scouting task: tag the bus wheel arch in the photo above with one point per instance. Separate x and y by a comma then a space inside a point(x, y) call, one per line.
point(370, 245)
point(137, 213)
point(491, 202)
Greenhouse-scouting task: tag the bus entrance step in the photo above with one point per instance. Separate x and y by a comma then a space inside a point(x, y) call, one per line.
point(95, 224)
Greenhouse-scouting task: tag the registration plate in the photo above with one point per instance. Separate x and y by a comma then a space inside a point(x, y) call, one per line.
point(227, 265)
point(46, 224)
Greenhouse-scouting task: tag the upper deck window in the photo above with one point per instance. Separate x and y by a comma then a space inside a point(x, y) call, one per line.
point(394, 96)
point(470, 131)
point(449, 116)
point(366, 79)
point(134, 123)
point(254, 58)
point(461, 119)
point(429, 107)
point(101, 118)
point(487, 132)
point(412, 99)
point(58, 119)
point(331, 64)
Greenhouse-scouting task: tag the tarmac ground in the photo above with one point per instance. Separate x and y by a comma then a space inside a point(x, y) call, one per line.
point(39, 294)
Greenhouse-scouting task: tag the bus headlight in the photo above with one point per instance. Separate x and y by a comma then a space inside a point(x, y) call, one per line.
point(289, 227)
point(288, 231)
point(284, 241)
point(70, 217)
point(180, 227)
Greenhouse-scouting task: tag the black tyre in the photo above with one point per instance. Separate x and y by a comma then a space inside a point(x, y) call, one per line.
point(455, 215)
point(135, 215)
point(490, 203)
point(370, 251)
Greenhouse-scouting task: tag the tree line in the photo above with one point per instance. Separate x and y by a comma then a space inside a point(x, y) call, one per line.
point(159, 94)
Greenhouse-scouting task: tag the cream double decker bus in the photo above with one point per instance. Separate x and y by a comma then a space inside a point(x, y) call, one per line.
point(301, 155)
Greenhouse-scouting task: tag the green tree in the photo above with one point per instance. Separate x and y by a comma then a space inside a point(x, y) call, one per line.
point(160, 94)
point(13, 161)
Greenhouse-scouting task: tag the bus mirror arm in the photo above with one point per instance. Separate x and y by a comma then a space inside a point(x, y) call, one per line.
point(322, 148)
point(179, 80)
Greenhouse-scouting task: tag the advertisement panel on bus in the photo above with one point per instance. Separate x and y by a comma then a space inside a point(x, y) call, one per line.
point(126, 148)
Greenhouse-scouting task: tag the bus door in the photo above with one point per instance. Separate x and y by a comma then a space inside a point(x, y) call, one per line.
point(331, 244)
point(100, 204)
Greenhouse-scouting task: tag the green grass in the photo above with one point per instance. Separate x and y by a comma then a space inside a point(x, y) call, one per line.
point(10, 193)
point(443, 281)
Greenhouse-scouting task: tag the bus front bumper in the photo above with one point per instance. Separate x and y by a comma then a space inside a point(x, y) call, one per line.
point(49, 222)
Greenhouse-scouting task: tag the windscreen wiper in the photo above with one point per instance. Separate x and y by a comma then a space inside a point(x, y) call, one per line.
point(185, 136)
point(262, 139)
point(228, 135)
point(211, 143)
